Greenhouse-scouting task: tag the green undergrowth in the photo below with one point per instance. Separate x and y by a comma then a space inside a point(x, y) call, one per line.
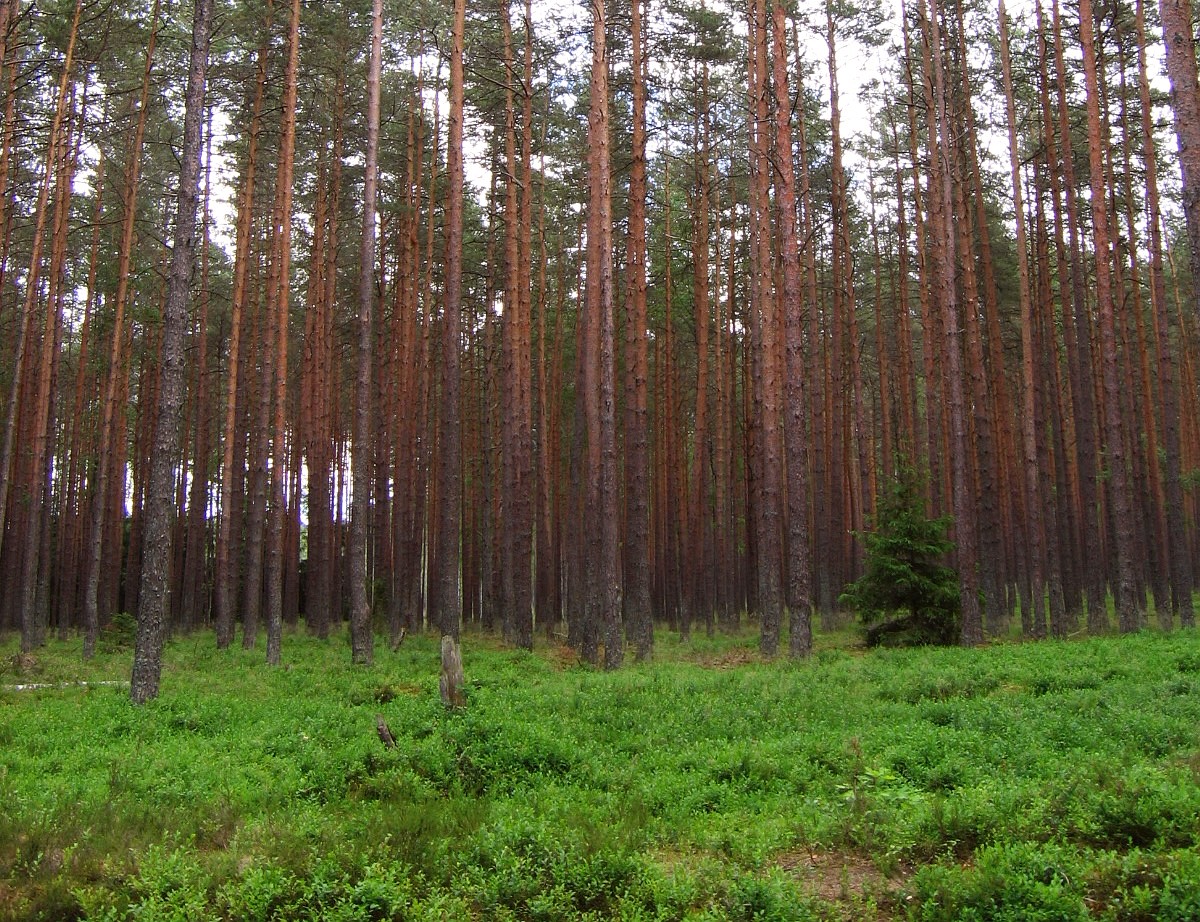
point(1050, 781)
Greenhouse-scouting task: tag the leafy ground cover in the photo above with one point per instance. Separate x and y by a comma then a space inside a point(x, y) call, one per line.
point(1054, 781)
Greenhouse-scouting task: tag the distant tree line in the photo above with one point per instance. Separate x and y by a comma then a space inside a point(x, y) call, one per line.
point(584, 322)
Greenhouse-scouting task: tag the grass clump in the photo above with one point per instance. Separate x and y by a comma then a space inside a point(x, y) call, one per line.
point(930, 784)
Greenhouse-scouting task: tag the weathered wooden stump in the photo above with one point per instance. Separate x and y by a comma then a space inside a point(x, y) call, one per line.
point(385, 733)
point(451, 685)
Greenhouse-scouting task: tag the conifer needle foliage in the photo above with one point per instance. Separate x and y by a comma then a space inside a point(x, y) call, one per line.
point(906, 593)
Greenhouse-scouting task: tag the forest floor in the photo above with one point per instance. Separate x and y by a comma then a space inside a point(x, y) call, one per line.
point(1050, 780)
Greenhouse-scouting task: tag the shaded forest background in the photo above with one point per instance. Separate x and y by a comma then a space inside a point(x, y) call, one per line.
point(661, 379)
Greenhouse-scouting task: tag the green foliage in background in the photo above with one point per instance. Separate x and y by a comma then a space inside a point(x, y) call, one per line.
point(1037, 781)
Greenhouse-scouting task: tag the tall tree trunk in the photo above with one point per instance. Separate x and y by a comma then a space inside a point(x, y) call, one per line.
point(1166, 328)
point(823, 590)
point(638, 606)
point(53, 143)
point(1072, 514)
point(197, 517)
point(278, 303)
point(907, 441)
point(1180, 42)
point(258, 459)
point(989, 385)
point(313, 408)
point(841, 305)
point(924, 213)
point(517, 533)
point(427, 514)
point(361, 637)
point(151, 630)
point(225, 577)
point(117, 376)
point(725, 532)
point(1128, 606)
point(799, 589)
point(34, 617)
point(1051, 438)
point(414, 339)
point(1141, 419)
point(72, 580)
point(1083, 385)
point(604, 595)
point(523, 575)
point(1034, 529)
point(324, 443)
point(449, 601)
point(885, 345)
point(698, 516)
point(964, 508)
point(666, 454)
point(768, 384)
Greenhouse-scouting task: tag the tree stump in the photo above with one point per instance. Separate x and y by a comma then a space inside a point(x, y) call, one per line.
point(451, 684)
point(385, 733)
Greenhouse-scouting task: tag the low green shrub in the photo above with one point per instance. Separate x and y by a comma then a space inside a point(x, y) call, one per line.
point(766, 898)
point(1055, 779)
point(1008, 883)
point(118, 635)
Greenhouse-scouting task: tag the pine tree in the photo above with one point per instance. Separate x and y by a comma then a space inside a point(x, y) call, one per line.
point(906, 595)
point(151, 632)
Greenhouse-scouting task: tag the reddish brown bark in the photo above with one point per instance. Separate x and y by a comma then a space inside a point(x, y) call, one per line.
point(925, 225)
point(517, 488)
point(942, 151)
point(195, 550)
point(225, 577)
point(1127, 604)
point(1180, 42)
point(839, 405)
point(908, 439)
point(1083, 390)
point(638, 612)
point(525, 525)
point(361, 636)
point(278, 307)
point(698, 605)
point(76, 522)
point(55, 140)
point(38, 434)
point(765, 330)
point(1166, 329)
point(449, 601)
point(603, 599)
point(1034, 530)
point(799, 589)
point(988, 385)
